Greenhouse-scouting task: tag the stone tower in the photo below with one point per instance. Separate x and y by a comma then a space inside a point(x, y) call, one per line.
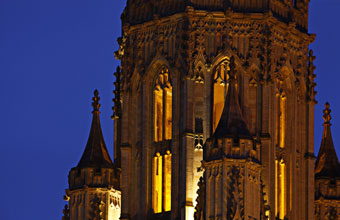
point(171, 93)
point(231, 183)
point(327, 175)
point(93, 184)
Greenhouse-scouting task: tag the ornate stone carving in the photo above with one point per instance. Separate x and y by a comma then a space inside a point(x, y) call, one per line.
point(311, 77)
point(97, 206)
point(235, 198)
point(122, 45)
point(117, 99)
point(331, 214)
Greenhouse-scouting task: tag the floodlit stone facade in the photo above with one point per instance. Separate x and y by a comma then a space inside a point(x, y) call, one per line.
point(213, 117)
point(193, 42)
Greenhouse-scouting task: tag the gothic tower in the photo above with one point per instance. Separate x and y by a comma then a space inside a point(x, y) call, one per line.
point(93, 184)
point(171, 97)
point(327, 175)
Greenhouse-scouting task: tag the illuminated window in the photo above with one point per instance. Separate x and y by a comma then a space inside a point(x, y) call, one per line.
point(281, 120)
point(157, 184)
point(167, 181)
point(220, 89)
point(280, 189)
point(163, 107)
point(161, 176)
point(161, 182)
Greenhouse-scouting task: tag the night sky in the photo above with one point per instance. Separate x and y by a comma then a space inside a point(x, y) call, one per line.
point(53, 54)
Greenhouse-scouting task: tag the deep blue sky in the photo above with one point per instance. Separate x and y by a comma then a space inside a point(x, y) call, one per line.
point(53, 54)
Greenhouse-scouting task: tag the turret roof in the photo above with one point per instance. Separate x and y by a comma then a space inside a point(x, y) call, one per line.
point(231, 123)
point(96, 153)
point(327, 163)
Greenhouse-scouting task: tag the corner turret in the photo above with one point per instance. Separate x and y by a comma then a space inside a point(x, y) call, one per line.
point(231, 185)
point(327, 174)
point(327, 163)
point(231, 138)
point(93, 184)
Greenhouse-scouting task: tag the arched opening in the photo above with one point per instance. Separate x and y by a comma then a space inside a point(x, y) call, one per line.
point(163, 107)
point(161, 176)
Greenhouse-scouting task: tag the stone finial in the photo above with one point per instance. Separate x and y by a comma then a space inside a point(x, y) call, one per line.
point(327, 114)
point(327, 164)
point(95, 154)
point(95, 103)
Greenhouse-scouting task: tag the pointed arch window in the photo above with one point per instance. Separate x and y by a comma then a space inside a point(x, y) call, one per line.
point(161, 176)
point(220, 88)
point(163, 106)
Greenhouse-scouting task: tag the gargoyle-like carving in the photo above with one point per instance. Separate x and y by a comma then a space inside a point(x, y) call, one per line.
point(122, 45)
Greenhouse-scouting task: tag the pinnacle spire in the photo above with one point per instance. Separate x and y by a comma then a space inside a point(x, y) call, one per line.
point(96, 153)
point(95, 103)
point(327, 163)
point(231, 123)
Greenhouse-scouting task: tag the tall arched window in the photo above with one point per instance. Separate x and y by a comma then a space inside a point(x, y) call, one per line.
point(220, 88)
point(161, 176)
point(280, 165)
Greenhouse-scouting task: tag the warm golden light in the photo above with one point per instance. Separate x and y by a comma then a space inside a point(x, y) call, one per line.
point(276, 189)
point(157, 184)
point(167, 181)
point(158, 104)
point(161, 181)
point(163, 107)
point(220, 91)
point(282, 190)
point(168, 113)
